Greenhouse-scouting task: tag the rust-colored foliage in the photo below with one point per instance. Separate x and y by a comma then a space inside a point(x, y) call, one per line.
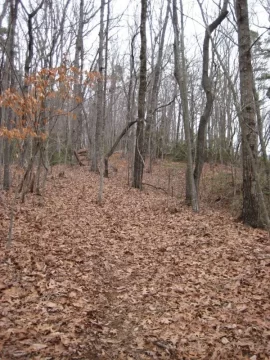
point(47, 97)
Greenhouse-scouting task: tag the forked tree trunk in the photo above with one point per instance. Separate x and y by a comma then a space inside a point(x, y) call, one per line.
point(207, 86)
point(27, 67)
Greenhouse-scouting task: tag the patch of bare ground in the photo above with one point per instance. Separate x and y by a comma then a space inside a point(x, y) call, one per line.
point(140, 277)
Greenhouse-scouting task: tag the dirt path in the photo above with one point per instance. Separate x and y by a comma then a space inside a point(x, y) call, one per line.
point(133, 279)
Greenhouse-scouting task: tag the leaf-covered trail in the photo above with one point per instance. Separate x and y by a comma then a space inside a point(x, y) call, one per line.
point(130, 279)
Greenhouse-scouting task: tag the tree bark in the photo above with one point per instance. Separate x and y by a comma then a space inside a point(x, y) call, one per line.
point(180, 75)
point(265, 216)
point(139, 146)
point(78, 63)
point(155, 87)
point(100, 113)
point(251, 208)
point(104, 103)
point(11, 72)
point(27, 67)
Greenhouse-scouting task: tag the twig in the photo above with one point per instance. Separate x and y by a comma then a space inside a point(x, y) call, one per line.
point(165, 105)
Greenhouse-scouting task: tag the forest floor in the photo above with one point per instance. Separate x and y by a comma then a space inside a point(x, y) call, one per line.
point(139, 277)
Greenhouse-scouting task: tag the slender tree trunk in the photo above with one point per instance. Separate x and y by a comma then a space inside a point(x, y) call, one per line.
point(100, 113)
point(131, 92)
point(78, 63)
point(180, 75)
point(207, 86)
point(102, 162)
point(139, 146)
point(27, 67)
point(11, 69)
point(155, 87)
point(178, 124)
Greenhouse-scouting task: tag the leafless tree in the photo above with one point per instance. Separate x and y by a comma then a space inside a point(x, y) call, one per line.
point(208, 89)
point(10, 82)
point(181, 77)
point(139, 146)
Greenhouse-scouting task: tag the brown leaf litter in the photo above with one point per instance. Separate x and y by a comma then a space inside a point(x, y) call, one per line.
point(130, 279)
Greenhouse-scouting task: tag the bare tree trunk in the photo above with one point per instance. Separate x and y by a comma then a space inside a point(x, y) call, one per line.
point(207, 86)
point(180, 75)
point(11, 72)
point(27, 65)
point(251, 207)
point(178, 124)
point(131, 91)
point(100, 96)
point(155, 87)
point(78, 63)
point(102, 163)
point(248, 149)
point(139, 146)
point(30, 45)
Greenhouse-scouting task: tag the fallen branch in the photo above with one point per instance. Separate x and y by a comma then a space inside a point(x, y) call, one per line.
point(155, 187)
point(106, 158)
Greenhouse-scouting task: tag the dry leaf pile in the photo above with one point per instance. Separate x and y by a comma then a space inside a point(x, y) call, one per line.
point(136, 278)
